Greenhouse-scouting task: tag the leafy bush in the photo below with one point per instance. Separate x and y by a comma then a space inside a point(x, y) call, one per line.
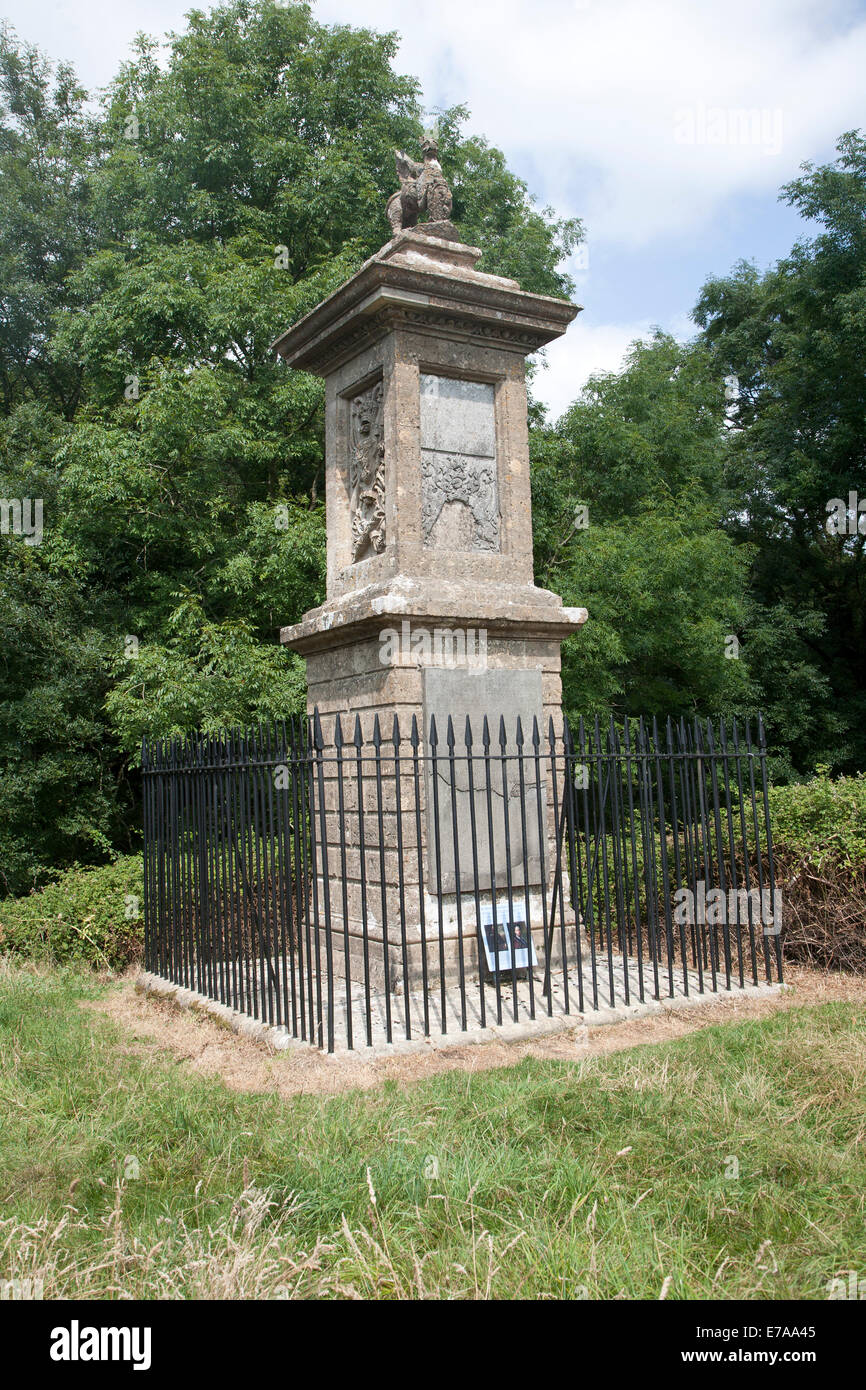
point(85, 914)
point(824, 819)
point(819, 831)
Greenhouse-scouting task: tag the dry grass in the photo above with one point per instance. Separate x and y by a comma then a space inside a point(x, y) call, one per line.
point(825, 912)
point(208, 1048)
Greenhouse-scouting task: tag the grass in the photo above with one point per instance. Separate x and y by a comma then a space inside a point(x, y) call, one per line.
point(603, 1178)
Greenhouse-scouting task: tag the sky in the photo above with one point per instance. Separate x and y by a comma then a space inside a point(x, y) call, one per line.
point(667, 126)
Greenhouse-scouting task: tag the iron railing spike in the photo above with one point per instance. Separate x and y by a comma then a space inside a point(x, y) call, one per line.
point(247, 894)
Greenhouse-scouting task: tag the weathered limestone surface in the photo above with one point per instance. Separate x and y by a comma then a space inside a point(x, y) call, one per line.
point(431, 604)
point(422, 188)
point(461, 695)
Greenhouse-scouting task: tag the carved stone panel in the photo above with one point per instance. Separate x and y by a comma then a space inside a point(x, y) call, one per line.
point(366, 473)
point(460, 499)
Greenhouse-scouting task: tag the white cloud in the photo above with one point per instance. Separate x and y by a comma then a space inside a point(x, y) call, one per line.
point(593, 97)
point(586, 93)
point(96, 39)
point(589, 348)
point(589, 91)
point(586, 349)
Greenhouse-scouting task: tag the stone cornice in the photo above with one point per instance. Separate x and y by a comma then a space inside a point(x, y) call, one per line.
point(426, 286)
point(508, 609)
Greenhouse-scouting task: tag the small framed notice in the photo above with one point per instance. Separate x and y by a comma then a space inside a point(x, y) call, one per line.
point(509, 940)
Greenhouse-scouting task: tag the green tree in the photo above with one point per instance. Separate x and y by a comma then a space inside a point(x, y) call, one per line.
point(153, 252)
point(49, 150)
point(794, 340)
point(629, 496)
point(63, 793)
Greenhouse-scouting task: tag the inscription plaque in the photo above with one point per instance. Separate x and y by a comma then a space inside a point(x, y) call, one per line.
point(476, 693)
point(460, 499)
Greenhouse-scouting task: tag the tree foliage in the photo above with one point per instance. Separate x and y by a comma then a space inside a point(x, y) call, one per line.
point(153, 246)
point(149, 255)
point(629, 494)
point(712, 473)
point(794, 340)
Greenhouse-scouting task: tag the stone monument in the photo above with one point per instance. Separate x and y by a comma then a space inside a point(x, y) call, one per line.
point(431, 606)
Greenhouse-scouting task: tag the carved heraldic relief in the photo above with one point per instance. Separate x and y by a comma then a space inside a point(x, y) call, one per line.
point(367, 474)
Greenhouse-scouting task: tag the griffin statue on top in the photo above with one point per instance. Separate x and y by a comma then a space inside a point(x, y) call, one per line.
point(422, 187)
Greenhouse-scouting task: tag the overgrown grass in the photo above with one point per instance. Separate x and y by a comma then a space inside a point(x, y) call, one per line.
point(607, 1175)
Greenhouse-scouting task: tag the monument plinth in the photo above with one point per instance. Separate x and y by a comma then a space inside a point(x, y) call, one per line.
point(431, 606)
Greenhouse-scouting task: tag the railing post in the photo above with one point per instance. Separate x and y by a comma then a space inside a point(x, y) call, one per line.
point(771, 868)
point(238, 893)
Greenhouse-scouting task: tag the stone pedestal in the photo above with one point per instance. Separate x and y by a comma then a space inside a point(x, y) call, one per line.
point(431, 605)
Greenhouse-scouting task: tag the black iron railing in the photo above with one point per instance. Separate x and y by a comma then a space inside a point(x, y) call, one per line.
point(348, 884)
